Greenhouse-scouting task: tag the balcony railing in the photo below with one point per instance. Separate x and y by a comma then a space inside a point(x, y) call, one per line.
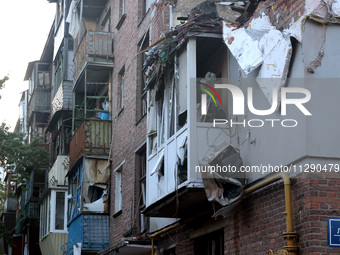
point(40, 101)
point(92, 230)
point(95, 47)
point(93, 137)
point(31, 210)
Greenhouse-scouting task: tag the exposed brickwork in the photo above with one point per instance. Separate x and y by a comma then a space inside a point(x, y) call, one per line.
point(257, 224)
point(282, 12)
point(129, 129)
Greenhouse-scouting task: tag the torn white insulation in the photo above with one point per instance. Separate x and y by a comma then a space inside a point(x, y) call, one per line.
point(262, 44)
point(277, 51)
point(244, 48)
point(261, 23)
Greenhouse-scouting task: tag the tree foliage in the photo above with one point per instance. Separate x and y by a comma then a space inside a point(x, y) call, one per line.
point(19, 157)
point(2, 82)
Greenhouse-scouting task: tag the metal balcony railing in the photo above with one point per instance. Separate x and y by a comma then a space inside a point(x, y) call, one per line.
point(95, 47)
point(92, 230)
point(40, 101)
point(92, 137)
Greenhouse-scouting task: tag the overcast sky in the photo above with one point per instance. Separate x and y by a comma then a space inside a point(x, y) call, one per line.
point(24, 27)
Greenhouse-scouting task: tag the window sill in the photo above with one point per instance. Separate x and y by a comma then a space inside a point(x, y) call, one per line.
point(120, 111)
point(145, 14)
point(141, 118)
point(116, 214)
point(121, 21)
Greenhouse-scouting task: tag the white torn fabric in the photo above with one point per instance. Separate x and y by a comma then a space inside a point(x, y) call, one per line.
point(244, 48)
point(277, 51)
point(73, 19)
point(336, 8)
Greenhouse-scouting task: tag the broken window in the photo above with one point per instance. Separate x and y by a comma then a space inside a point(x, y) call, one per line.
point(141, 168)
point(142, 46)
point(211, 64)
point(152, 123)
point(181, 89)
point(159, 166)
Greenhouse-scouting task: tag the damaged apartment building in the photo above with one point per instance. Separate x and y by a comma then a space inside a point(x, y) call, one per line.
point(143, 98)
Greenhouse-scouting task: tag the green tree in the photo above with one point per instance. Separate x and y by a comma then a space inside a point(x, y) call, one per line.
point(18, 156)
point(2, 82)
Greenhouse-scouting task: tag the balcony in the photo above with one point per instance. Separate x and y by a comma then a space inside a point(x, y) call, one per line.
point(92, 230)
point(40, 101)
point(31, 210)
point(95, 48)
point(93, 138)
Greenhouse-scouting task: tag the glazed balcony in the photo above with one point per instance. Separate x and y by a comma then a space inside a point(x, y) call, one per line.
point(92, 138)
point(95, 48)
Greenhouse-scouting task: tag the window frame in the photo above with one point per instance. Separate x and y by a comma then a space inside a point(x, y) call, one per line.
point(48, 214)
point(118, 204)
point(121, 88)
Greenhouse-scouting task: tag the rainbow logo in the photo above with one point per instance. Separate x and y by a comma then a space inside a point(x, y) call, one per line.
point(204, 97)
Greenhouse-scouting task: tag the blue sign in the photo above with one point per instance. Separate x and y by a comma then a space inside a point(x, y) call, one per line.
point(333, 232)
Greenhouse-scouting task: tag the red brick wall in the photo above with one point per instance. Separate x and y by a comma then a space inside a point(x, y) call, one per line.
point(282, 12)
point(129, 129)
point(257, 224)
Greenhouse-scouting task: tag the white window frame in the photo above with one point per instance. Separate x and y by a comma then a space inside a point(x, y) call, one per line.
point(53, 211)
point(51, 214)
point(118, 188)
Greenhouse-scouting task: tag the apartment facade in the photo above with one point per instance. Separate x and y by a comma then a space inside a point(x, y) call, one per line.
point(134, 120)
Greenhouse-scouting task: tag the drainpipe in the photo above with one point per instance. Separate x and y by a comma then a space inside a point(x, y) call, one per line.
point(290, 235)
